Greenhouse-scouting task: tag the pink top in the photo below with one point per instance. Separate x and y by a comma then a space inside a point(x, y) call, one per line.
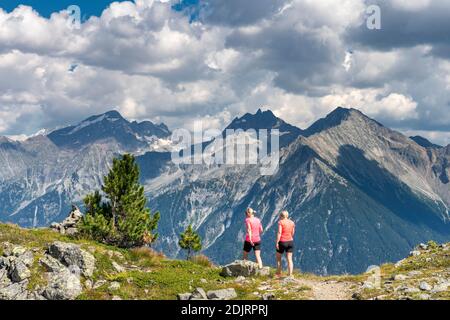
point(287, 230)
point(256, 227)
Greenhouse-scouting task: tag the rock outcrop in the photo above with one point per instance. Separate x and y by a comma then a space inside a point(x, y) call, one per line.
point(64, 263)
point(63, 285)
point(244, 268)
point(69, 225)
point(15, 272)
point(200, 294)
point(424, 275)
point(223, 294)
point(72, 256)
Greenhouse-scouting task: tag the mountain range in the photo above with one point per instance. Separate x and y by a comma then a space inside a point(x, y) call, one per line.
point(360, 193)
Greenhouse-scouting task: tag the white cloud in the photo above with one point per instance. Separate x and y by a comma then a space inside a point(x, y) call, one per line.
point(375, 103)
point(151, 62)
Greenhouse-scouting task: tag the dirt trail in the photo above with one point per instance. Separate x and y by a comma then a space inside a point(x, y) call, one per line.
point(328, 290)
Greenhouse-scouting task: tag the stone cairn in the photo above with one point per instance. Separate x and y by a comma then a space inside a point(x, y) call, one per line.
point(69, 225)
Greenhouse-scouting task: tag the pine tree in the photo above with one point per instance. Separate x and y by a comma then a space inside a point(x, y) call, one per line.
point(190, 241)
point(123, 220)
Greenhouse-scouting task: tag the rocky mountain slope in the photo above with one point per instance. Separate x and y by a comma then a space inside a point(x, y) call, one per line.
point(41, 177)
point(41, 264)
point(360, 193)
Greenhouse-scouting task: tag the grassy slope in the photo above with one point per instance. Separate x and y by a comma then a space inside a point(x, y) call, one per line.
point(432, 264)
point(149, 275)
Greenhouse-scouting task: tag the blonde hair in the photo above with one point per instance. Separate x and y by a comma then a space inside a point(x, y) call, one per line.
point(284, 214)
point(249, 212)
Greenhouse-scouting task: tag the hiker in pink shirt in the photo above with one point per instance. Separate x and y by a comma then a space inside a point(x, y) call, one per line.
point(254, 229)
point(285, 242)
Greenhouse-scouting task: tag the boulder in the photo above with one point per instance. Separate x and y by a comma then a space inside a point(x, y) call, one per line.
point(199, 294)
point(223, 294)
point(15, 291)
point(63, 285)
point(27, 258)
point(72, 255)
point(424, 286)
point(184, 296)
point(18, 251)
point(244, 269)
point(51, 264)
point(12, 251)
point(19, 271)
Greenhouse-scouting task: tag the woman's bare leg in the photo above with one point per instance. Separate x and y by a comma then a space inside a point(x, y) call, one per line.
point(258, 258)
point(290, 264)
point(245, 255)
point(278, 263)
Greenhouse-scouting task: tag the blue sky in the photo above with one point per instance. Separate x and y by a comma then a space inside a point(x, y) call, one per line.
point(88, 7)
point(47, 7)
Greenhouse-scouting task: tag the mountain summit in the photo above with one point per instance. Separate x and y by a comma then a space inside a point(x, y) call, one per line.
point(110, 125)
point(335, 118)
point(267, 120)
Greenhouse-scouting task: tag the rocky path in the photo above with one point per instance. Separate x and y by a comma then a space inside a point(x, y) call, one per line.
point(328, 290)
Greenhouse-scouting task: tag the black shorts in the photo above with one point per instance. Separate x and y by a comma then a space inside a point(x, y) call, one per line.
point(287, 246)
point(248, 246)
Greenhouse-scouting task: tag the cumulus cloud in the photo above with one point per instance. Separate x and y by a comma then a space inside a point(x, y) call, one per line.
point(300, 58)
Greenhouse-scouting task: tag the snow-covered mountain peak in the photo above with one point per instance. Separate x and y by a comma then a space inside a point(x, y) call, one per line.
point(131, 136)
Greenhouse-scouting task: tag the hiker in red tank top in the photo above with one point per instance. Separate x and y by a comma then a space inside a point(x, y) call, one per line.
point(285, 242)
point(253, 229)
